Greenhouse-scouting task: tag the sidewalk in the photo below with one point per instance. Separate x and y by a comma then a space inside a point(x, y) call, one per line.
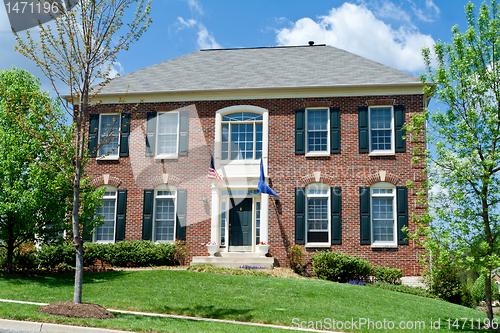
point(56, 328)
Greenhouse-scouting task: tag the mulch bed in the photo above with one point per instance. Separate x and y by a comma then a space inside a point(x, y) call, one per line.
point(82, 310)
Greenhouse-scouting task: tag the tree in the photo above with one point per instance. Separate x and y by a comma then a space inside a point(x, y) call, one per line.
point(464, 169)
point(33, 193)
point(80, 53)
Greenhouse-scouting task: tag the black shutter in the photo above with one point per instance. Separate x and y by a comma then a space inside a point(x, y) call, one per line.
point(364, 215)
point(335, 130)
point(183, 133)
point(147, 215)
point(181, 215)
point(336, 222)
point(402, 204)
point(125, 133)
point(93, 134)
point(150, 134)
point(363, 135)
point(300, 131)
point(300, 215)
point(399, 120)
point(121, 211)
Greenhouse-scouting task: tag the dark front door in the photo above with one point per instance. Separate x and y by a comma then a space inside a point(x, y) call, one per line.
point(240, 224)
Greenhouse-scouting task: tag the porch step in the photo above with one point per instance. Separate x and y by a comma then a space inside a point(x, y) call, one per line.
point(264, 262)
point(240, 254)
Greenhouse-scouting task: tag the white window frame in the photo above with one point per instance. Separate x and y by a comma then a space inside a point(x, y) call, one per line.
point(374, 152)
point(109, 189)
point(386, 186)
point(164, 187)
point(166, 156)
point(116, 154)
point(218, 140)
point(243, 122)
point(322, 152)
point(321, 186)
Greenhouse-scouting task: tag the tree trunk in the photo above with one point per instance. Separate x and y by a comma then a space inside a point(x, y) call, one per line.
point(77, 240)
point(487, 291)
point(10, 256)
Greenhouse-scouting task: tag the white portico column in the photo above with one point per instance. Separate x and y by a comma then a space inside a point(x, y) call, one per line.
point(264, 217)
point(215, 229)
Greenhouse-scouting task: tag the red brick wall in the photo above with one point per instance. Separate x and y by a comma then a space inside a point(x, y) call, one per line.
point(349, 170)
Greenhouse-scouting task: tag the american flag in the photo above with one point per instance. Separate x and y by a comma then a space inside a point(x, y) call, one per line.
point(212, 174)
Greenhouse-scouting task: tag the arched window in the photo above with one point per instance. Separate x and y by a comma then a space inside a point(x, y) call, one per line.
point(241, 136)
point(241, 132)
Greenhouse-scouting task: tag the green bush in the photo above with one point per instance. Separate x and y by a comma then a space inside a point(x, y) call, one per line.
point(295, 255)
point(52, 255)
point(404, 289)
point(339, 267)
point(443, 279)
point(121, 254)
point(466, 298)
point(478, 293)
point(387, 274)
point(138, 254)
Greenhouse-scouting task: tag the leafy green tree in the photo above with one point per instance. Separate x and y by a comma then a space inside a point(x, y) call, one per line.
point(33, 192)
point(464, 169)
point(80, 53)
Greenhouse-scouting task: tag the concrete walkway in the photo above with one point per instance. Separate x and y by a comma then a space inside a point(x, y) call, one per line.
point(26, 326)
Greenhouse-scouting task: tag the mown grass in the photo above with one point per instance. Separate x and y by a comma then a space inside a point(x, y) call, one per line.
point(234, 297)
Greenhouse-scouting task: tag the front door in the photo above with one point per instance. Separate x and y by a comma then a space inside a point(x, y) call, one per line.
point(240, 226)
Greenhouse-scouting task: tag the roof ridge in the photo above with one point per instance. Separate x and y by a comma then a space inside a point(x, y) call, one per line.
point(262, 47)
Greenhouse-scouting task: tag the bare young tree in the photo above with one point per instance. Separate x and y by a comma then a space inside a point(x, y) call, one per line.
point(79, 49)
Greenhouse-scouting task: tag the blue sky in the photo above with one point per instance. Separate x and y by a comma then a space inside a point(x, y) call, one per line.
point(390, 32)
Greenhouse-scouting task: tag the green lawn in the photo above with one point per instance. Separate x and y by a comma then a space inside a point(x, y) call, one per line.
point(243, 298)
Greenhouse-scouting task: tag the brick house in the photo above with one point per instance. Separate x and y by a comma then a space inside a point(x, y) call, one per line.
point(326, 123)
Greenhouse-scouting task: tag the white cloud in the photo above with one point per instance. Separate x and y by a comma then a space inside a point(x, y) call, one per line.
point(356, 29)
point(195, 6)
point(206, 40)
point(429, 14)
point(389, 10)
point(189, 23)
point(116, 69)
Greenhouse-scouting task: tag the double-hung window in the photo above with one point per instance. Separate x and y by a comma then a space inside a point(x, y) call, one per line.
point(317, 131)
point(381, 129)
point(165, 214)
point(167, 134)
point(383, 212)
point(241, 136)
point(105, 233)
point(318, 136)
point(318, 213)
point(109, 135)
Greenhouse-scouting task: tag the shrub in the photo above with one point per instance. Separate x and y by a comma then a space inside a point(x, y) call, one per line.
point(295, 255)
point(387, 274)
point(466, 298)
point(51, 255)
point(139, 254)
point(336, 266)
point(181, 251)
point(443, 280)
point(93, 252)
point(478, 293)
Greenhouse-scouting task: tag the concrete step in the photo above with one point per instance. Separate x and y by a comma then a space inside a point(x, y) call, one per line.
point(264, 262)
point(241, 254)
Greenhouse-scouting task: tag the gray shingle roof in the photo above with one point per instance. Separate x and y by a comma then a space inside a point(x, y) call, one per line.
point(257, 68)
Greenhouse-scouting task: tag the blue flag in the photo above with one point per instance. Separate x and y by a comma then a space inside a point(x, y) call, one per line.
point(262, 187)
